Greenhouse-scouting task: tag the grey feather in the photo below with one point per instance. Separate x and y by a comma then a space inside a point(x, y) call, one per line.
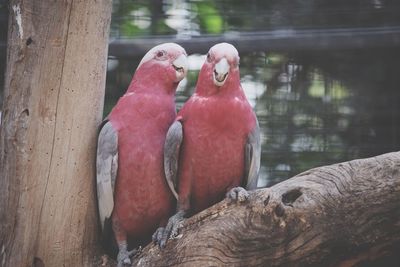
point(172, 146)
point(252, 158)
point(106, 170)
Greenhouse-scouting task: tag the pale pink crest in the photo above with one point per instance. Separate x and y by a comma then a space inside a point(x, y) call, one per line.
point(172, 49)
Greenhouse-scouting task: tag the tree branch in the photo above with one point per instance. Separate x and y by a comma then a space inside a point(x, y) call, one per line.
point(336, 215)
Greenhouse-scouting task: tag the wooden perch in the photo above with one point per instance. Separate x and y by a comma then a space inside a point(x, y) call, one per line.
point(338, 215)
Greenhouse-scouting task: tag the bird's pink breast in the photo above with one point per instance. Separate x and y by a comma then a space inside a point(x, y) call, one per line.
point(215, 133)
point(142, 197)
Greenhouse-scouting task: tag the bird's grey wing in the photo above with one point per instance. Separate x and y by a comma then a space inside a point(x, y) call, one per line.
point(172, 147)
point(106, 170)
point(252, 158)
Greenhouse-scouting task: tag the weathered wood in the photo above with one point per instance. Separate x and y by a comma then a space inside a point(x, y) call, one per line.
point(53, 100)
point(336, 215)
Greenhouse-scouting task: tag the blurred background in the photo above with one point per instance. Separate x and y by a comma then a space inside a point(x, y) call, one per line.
point(321, 75)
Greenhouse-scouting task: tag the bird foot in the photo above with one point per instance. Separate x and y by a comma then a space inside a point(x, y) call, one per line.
point(157, 236)
point(162, 234)
point(238, 194)
point(124, 256)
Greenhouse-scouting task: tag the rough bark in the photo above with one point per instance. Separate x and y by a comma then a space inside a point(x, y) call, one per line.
point(338, 215)
point(53, 100)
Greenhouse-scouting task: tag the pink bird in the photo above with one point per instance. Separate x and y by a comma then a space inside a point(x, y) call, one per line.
point(131, 186)
point(213, 147)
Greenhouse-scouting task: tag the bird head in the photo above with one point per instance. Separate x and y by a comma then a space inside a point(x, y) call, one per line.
point(164, 64)
point(221, 67)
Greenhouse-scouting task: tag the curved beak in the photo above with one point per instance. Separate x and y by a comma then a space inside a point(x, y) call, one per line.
point(221, 71)
point(181, 66)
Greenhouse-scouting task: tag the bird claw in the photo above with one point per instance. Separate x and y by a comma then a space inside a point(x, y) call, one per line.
point(157, 236)
point(238, 194)
point(135, 251)
point(124, 256)
point(161, 235)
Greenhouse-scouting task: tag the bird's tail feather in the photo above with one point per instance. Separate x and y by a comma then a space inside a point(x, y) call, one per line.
point(108, 241)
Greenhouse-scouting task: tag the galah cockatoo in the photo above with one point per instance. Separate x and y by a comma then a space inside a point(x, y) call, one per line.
point(131, 186)
point(213, 147)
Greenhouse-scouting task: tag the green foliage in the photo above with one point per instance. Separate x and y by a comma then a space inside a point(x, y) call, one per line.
point(128, 29)
point(209, 17)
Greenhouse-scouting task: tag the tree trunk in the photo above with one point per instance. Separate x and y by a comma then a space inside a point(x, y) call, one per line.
point(338, 215)
point(53, 100)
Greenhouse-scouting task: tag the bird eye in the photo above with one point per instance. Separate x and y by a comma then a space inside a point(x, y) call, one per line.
point(160, 54)
point(209, 57)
